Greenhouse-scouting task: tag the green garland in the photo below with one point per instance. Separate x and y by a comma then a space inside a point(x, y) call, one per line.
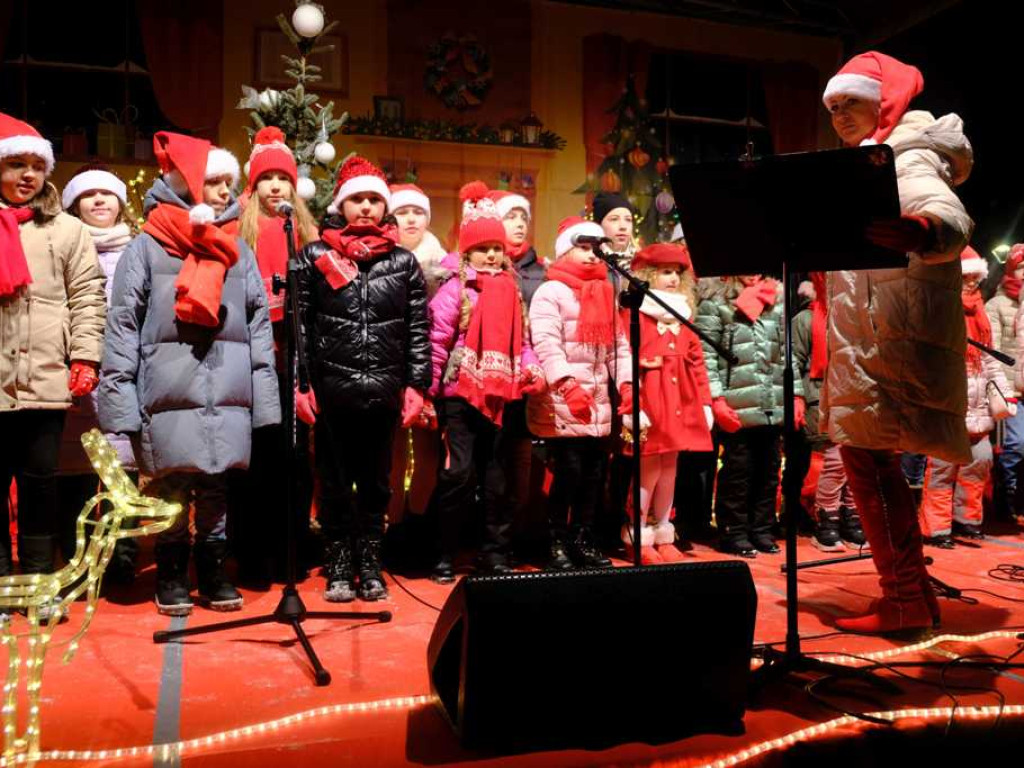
point(442, 130)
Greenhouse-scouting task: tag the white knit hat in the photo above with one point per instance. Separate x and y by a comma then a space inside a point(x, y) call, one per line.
point(90, 180)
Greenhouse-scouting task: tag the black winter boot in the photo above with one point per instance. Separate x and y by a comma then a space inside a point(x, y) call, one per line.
point(558, 558)
point(215, 591)
point(371, 580)
point(850, 530)
point(338, 570)
point(826, 532)
point(584, 551)
point(172, 598)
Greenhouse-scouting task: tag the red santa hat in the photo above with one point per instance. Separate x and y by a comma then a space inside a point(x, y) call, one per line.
point(187, 162)
point(569, 228)
point(971, 263)
point(481, 222)
point(409, 194)
point(89, 179)
point(356, 175)
point(662, 253)
point(882, 80)
point(270, 152)
point(506, 202)
point(18, 138)
point(1014, 259)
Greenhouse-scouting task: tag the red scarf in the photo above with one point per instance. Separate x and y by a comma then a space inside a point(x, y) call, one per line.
point(489, 373)
point(353, 244)
point(209, 251)
point(978, 327)
point(14, 273)
point(590, 285)
point(754, 299)
point(819, 327)
point(272, 258)
point(516, 252)
point(1011, 286)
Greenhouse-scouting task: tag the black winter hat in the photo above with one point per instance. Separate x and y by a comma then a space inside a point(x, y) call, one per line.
point(606, 202)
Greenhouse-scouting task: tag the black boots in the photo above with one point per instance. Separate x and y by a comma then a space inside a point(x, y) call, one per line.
point(172, 597)
point(826, 532)
point(338, 571)
point(215, 591)
point(850, 530)
point(584, 551)
point(371, 580)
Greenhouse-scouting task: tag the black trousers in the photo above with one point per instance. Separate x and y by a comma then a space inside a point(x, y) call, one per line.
point(695, 491)
point(28, 454)
point(577, 473)
point(475, 451)
point(798, 464)
point(353, 448)
point(748, 482)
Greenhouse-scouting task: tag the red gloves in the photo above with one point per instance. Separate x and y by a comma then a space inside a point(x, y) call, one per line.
point(907, 234)
point(580, 402)
point(725, 417)
point(533, 381)
point(626, 398)
point(412, 408)
point(428, 416)
point(83, 379)
point(799, 412)
point(305, 406)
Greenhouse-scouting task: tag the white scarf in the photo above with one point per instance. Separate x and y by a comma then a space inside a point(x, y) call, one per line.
point(112, 238)
point(655, 311)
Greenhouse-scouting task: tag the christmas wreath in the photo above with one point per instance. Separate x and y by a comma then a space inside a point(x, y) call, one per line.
point(458, 71)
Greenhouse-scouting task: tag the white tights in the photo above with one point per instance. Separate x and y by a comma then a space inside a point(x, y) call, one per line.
point(657, 486)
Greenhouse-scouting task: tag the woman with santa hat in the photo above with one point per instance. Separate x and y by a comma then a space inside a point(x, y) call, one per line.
point(52, 309)
point(188, 368)
point(896, 337)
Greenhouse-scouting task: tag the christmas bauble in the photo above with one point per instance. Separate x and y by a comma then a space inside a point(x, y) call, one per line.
point(324, 152)
point(308, 20)
point(610, 181)
point(638, 158)
point(246, 168)
point(306, 188)
point(269, 99)
point(664, 202)
point(662, 167)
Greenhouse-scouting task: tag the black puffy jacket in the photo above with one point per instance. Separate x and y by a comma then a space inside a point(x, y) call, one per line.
point(370, 339)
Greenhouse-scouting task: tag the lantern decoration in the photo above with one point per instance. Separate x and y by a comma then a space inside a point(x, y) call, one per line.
point(308, 20)
point(610, 181)
point(530, 130)
point(664, 202)
point(507, 133)
point(638, 158)
point(662, 167)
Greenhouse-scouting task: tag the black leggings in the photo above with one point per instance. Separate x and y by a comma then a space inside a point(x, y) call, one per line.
point(28, 454)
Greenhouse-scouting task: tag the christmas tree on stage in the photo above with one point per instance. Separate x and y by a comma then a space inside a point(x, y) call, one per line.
point(307, 125)
point(635, 167)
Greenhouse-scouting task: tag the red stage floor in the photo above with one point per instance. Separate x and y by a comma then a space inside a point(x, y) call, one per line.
point(122, 691)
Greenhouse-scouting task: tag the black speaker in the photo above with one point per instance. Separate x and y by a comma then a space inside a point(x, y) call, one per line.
point(590, 659)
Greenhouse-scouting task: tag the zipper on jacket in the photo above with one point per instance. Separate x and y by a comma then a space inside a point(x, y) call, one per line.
point(364, 293)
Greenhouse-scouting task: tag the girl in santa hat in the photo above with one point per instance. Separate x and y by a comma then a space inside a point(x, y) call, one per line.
point(411, 208)
point(572, 322)
point(951, 501)
point(747, 405)
point(674, 395)
point(364, 312)
point(516, 216)
point(1002, 310)
point(98, 198)
point(896, 336)
point(259, 495)
point(52, 310)
point(482, 361)
point(188, 369)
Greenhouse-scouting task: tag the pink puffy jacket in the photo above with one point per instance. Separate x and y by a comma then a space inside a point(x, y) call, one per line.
point(446, 338)
point(554, 312)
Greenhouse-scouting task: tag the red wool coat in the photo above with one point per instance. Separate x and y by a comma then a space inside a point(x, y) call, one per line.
point(674, 383)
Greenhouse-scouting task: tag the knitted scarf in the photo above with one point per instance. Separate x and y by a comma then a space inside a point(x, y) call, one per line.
point(208, 250)
point(590, 285)
point(978, 327)
point(516, 252)
point(272, 258)
point(112, 238)
point(14, 272)
point(754, 299)
point(350, 245)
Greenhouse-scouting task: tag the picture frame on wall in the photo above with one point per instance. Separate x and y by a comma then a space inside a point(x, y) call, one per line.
point(269, 67)
point(389, 108)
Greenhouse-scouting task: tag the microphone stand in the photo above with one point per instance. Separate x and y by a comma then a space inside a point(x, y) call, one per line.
point(290, 610)
point(631, 298)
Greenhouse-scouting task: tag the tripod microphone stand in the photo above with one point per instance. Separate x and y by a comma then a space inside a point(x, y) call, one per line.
point(290, 609)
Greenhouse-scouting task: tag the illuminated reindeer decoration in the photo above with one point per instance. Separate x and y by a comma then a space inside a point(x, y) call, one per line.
point(45, 597)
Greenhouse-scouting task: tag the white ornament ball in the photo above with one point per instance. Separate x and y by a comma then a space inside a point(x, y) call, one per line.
point(308, 20)
point(246, 168)
point(269, 99)
point(306, 188)
point(324, 152)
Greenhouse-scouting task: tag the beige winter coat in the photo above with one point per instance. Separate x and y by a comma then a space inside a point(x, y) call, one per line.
point(1002, 314)
point(57, 318)
point(896, 336)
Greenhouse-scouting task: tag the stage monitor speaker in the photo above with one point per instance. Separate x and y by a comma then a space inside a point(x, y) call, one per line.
point(590, 659)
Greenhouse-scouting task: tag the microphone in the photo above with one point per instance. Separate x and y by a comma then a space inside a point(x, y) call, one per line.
point(284, 209)
point(589, 240)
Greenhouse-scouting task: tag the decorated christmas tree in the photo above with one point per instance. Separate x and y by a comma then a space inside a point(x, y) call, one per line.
point(307, 125)
point(635, 167)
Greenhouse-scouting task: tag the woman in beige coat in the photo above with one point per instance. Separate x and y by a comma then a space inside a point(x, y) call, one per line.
point(896, 336)
point(52, 311)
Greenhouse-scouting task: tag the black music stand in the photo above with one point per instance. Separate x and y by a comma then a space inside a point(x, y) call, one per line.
point(784, 214)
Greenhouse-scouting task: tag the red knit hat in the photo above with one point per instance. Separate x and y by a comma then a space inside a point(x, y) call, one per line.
point(187, 162)
point(356, 175)
point(571, 226)
point(971, 263)
point(881, 79)
point(18, 138)
point(409, 194)
point(270, 152)
point(506, 202)
point(662, 253)
point(481, 222)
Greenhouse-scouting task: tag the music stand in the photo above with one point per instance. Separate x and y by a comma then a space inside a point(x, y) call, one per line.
point(801, 212)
